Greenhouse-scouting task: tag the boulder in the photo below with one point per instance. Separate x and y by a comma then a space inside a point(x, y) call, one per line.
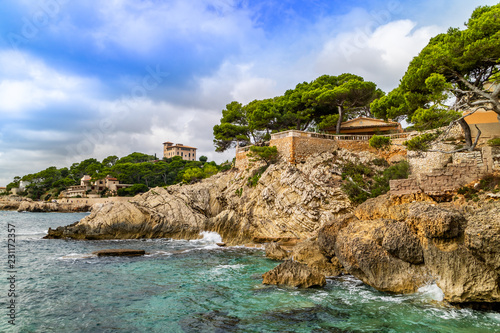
point(276, 252)
point(294, 274)
point(308, 252)
point(436, 222)
point(402, 243)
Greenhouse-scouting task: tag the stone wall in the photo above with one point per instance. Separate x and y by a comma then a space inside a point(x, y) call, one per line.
point(462, 169)
point(298, 149)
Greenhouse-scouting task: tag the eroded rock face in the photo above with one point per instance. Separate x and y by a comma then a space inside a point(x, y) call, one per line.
point(288, 202)
point(398, 245)
point(309, 252)
point(276, 252)
point(294, 274)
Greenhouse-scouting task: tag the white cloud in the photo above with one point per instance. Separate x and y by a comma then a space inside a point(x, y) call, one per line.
point(26, 83)
point(381, 56)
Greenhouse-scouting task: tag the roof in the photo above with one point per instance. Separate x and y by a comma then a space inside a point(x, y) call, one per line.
point(180, 146)
point(371, 121)
point(86, 177)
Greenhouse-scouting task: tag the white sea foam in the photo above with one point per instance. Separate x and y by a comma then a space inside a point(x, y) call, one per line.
point(76, 256)
point(211, 237)
point(431, 292)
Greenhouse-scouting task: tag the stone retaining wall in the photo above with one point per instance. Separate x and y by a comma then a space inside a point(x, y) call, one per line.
point(464, 168)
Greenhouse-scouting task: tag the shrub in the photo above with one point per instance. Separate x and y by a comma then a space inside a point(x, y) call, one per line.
point(380, 142)
point(358, 185)
point(421, 142)
point(267, 154)
point(380, 162)
point(494, 142)
point(254, 180)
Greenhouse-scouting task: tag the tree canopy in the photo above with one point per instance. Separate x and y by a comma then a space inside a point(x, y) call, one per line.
point(456, 72)
point(135, 168)
point(309, 104)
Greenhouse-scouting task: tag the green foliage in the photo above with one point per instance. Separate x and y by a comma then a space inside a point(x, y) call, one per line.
point(361, 182)
point(203, 158)
point(267, 154)
point(421, 142)
point(382, 162)
point(494, 142)
point(133, 190)
point(380, 142)
point(433, 117)
point(254, 179)
point(239, 192)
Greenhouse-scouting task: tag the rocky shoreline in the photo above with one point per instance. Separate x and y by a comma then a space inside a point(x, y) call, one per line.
point(27, 205)
point(394, 244)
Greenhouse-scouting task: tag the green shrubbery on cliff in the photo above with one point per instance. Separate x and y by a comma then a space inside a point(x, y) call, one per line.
point(136, 168)
point(362, 182)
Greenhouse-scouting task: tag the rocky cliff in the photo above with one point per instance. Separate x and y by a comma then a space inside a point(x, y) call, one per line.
point(288, 201)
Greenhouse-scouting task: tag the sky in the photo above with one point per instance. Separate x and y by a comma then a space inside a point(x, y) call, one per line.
point(87, 79)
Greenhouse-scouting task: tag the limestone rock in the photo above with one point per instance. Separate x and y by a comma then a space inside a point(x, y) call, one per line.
point(482, 235)
point(276, 252)
point(327, 235)
point(359, 249)
point(308, 252)
point(402, 243)
point(294, 274)
point(436, 222)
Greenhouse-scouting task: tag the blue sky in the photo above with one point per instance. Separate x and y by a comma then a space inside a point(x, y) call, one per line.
point(85, 78)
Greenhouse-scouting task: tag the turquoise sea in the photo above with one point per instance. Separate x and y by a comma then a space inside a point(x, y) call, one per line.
point(194, 286)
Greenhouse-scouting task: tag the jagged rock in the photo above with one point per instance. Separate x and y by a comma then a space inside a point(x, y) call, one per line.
point(402, 243)
point(359, 250)
point(482, 235)
point(436, 222)
point(119, 253)
point(276, 252)
point(308, 252)
point(294, 274)
point(42, 207)
point(327, 235)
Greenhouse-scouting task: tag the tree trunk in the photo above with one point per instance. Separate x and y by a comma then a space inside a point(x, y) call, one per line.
point(339, 122)
point(467, 133)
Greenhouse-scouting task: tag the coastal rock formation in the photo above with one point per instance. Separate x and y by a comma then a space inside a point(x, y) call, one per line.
point(288, 202)
point(294, 274)
point(46, 207)
point(276, 252)
point(397, 246)
point(119, 253)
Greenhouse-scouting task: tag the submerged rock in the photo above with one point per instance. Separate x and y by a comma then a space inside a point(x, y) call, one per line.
point(119, 253)
point(294, 274)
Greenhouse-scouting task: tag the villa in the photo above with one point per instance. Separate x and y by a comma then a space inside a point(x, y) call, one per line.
point(91, 189)
point(187, 153)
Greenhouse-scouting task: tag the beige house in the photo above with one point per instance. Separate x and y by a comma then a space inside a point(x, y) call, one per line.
point(367, 126)
point(89, 188)
point(3, 190)
point(187, 153)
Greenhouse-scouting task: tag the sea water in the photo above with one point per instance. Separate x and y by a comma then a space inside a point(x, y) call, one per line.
point(194, 286)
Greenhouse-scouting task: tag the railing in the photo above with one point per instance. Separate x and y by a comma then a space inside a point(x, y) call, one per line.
point(340, 137)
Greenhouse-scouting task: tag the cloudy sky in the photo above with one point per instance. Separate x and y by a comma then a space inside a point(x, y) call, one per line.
point(88, 78)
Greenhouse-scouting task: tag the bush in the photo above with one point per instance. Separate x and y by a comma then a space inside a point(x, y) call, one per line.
point(267, 154)
point(254, 180)
point(359, 187)
point(494, 142)
point(380, 162)
point(421, 142)
point(132, 190)
point(380, 142)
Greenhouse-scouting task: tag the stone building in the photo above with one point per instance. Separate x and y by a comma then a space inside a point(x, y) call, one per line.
point(91, 189)
point(187, 153)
